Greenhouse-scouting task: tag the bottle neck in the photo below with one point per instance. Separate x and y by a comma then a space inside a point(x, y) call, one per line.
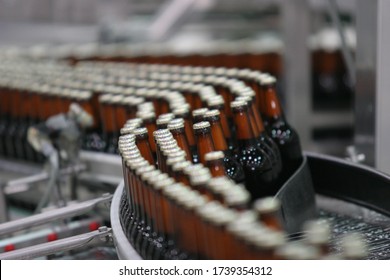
point(227, 98)
point(253, 122)
point(258, 119)
point(244, 131)
point(182, 142)
point(188, 129)
point(218, 136)
point(151, 127)
point(205, 145)
point(224, 121)
point(143, 147)
point(272, 108)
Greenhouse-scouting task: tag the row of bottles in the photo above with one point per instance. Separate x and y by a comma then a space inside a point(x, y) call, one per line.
point(201, 148)
point(175, 209)
point(114, 98)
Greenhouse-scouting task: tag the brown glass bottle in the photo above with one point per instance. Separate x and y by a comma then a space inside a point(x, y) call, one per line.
point(149, 121)
point(176, 127)
point(184, 113)
point(263, 141)
point(142, 141)
point(204, 139)
point(256, 164)
point(108, 119)
point(233, 167)
point(218, 103)
point(278, 128)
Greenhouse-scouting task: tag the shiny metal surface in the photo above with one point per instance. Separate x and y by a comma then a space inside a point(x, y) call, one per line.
point(56, 214)
point(124, 249)
point(296, 31)
point(372, 101)
point(65, 244)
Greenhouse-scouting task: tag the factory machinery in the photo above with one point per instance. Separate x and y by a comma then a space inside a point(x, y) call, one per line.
point(191, 153)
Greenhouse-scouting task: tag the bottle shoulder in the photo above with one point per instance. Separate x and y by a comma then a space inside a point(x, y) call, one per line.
point(254, 158)
point(283, 132)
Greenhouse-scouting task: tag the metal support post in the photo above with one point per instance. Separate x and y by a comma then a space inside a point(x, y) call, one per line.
point(297, 72)
point(372, 130)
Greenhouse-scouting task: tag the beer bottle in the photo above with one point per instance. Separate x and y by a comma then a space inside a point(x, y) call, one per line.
point(278, 128)
point(218, 103)
point(120, 113)
point(238, 231)
point(264, 141)
point(206, 232)
point(108, 120)
point(233, 168)
point(149, 121)
point(84, 99)
point(188, 228)
point(205, 142)
point(176, 127)
point(256, 164)
point(142, 141)
point(184, 113)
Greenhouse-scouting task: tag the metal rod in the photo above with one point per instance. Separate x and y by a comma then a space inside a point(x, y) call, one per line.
point(17, 185)
point(57, 214)
point(61, 245)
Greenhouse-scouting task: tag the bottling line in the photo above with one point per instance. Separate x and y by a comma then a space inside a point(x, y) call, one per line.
point(154, 143)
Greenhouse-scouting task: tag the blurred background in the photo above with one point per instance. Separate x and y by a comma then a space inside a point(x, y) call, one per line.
point(317, 92)
point(330, 58)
